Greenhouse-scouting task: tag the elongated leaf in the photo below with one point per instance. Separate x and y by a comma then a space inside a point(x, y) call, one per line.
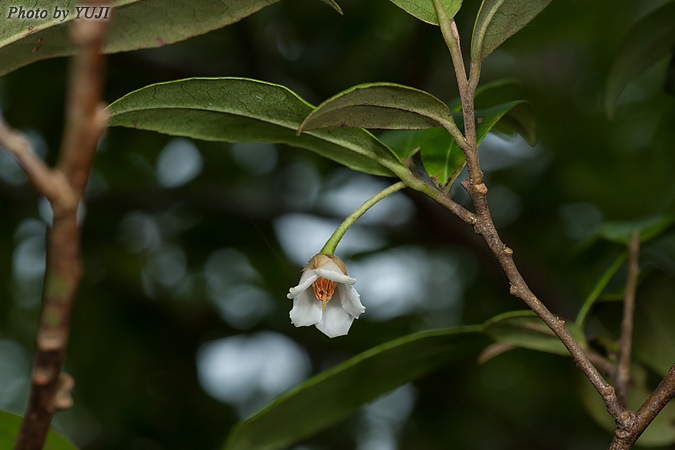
point(598, 288)
point(245, 110)
point(380, 105)
point(9, 430)
point(135, 24)
point(621, 233)
point(649, 228)
point(524, 329)
point(332, 395)
point(333, 5)
point(425, 11)
point(498, 20)
point(660, 433)
point(654, 334)
point(650, 39)
point(442, 157)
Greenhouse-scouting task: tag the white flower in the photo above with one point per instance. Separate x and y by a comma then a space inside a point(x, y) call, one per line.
point(325, 297)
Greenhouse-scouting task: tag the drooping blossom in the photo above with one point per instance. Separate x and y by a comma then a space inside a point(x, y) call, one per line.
point(325, 297)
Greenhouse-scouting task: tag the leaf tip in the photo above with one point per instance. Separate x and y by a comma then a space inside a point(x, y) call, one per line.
point(334, 6)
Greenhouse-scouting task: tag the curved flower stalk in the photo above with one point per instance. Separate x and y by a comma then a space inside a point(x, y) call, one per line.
point(325, 297)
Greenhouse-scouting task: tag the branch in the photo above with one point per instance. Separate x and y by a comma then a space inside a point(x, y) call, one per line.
point(664, 392)
point(623, 363)
point(485, 227)
point(64, 187)
point(53, 185)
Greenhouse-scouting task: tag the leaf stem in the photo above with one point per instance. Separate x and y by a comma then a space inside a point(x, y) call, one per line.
point(331, 244)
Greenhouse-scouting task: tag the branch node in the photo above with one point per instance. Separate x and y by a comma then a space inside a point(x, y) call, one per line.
point(63, 399)
point(607, 391)
point(481, 188)
point(51, 340)
point(476, 227)
point(42, 376)
point(508, 251)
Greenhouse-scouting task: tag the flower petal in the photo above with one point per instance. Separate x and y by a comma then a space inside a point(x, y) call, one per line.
point(350, 300)
point(335, 321)
point(332, 272)
point(308, 277)
point(307, 310)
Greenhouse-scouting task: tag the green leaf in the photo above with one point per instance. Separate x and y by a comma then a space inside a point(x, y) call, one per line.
point(245, 110)
point(381, 105)
point(424, 9)
point(524, 329)
point(503, 89)
point(520, 118)
point(332, 395)
point(498, 20)
point(135, 24)
point(647, 41)
point(599, 287)
point(649, 228)
point(9, 430)
point(333, 5)
point(654, 334)
point(660, 433)
point(443, 159)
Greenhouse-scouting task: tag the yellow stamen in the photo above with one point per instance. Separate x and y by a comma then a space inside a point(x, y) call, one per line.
point(324, 290)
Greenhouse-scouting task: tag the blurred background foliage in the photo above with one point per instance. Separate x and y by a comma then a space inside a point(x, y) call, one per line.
point(181, 325)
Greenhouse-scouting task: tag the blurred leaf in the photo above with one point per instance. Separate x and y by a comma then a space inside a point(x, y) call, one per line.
point(621, 232)
point(498, 20)
point(648, 40)
point(493, 350)
point(669, 83)
point(598, 288)
point(442, 157)
point(244, 110)
point(332, 395)
point(380, 105)
point(333, 5)
point(135, 24)
point(617, 292)
point(524, 329)
point(660, 253)
point(502, 89)
point(649, 228)
point(425, 11)
point(661, 431)
point(520, 118)
point(654, 334)
point(9, 430)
